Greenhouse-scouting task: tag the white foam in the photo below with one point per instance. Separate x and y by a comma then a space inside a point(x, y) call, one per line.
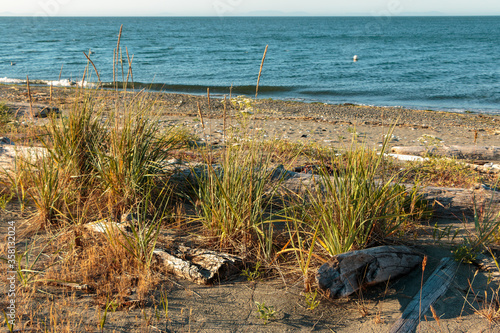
point(69, 83)
point(55, 83)
point(61, 83)
point(8, 80)
point(86, 84)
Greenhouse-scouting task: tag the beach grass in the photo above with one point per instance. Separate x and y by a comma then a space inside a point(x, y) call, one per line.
point(106, 162)
point(99, 164)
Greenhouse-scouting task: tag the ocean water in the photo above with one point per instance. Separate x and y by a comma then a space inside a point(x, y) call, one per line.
point(439, 63)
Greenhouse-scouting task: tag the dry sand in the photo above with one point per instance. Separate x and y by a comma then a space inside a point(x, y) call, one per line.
point(230, 306)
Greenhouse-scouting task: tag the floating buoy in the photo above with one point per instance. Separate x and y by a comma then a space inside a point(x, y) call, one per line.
point(355, 58)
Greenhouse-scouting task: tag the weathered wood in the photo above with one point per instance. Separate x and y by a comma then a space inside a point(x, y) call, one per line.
point(346, 273)
point(473, 152)
point(70, 285)
point(413, 150)
point(106, 227)
point(181, 268)
point(490, 153)
point(450, 202)
point(9, 154)
point(435, 286)
point(198, 265)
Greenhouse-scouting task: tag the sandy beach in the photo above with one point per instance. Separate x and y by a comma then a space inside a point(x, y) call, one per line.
point(230, 306)
point(324, 124)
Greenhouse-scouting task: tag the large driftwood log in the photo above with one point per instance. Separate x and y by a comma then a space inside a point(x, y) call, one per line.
point(346, 273)
point(436, 286)
point(491, 153)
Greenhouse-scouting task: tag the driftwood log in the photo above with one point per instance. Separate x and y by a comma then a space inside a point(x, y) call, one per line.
point(458, 202)
point(491, 153)
point(198, 265)
point(346, 273)
point(435, 286)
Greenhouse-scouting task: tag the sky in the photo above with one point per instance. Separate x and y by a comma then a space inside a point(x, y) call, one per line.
point(247, 7)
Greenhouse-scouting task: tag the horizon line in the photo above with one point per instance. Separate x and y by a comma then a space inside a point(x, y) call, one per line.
point(254, 15)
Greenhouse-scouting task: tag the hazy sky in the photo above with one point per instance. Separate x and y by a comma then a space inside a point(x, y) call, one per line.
point(242, 7)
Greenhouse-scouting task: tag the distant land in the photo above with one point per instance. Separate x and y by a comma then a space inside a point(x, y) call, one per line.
point(274, 13)
point(281, 13)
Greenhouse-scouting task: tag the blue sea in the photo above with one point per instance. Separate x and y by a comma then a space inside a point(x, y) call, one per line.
point(437, 63)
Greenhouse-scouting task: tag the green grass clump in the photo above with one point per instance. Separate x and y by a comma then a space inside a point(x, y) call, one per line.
point(3, 107)
point(352, 207)
point(233, 197)
point(133, 158)
point(98, 165)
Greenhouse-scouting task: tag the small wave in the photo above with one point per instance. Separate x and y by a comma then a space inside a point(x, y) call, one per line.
point(189, 88)
point(11, 81)
point(69, 83)
point(337, 93)
point(48, 41)
point(57, 83)
point(449, 97)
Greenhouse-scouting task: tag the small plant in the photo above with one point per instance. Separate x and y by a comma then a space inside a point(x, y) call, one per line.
point(311, 301)
point(244, 104)
point(164, 304)
point(485, 232)
point(104, 316)
point(3, 107)
point(5, 199)
point(5, 116)
point(490, 309)
point(353, 132)
point(48, 187)
point(10, 326)
point(429, 140)
point(144, 230)
point(25, 267)
point(440, 171)
point(265, 312)
point(465, 252)
point(440, 233)
point(252, 275)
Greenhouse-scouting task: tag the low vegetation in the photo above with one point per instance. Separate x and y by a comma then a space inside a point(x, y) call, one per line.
point(108, 164)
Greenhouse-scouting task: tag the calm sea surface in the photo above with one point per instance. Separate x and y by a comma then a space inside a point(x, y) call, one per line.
point(442, 63)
